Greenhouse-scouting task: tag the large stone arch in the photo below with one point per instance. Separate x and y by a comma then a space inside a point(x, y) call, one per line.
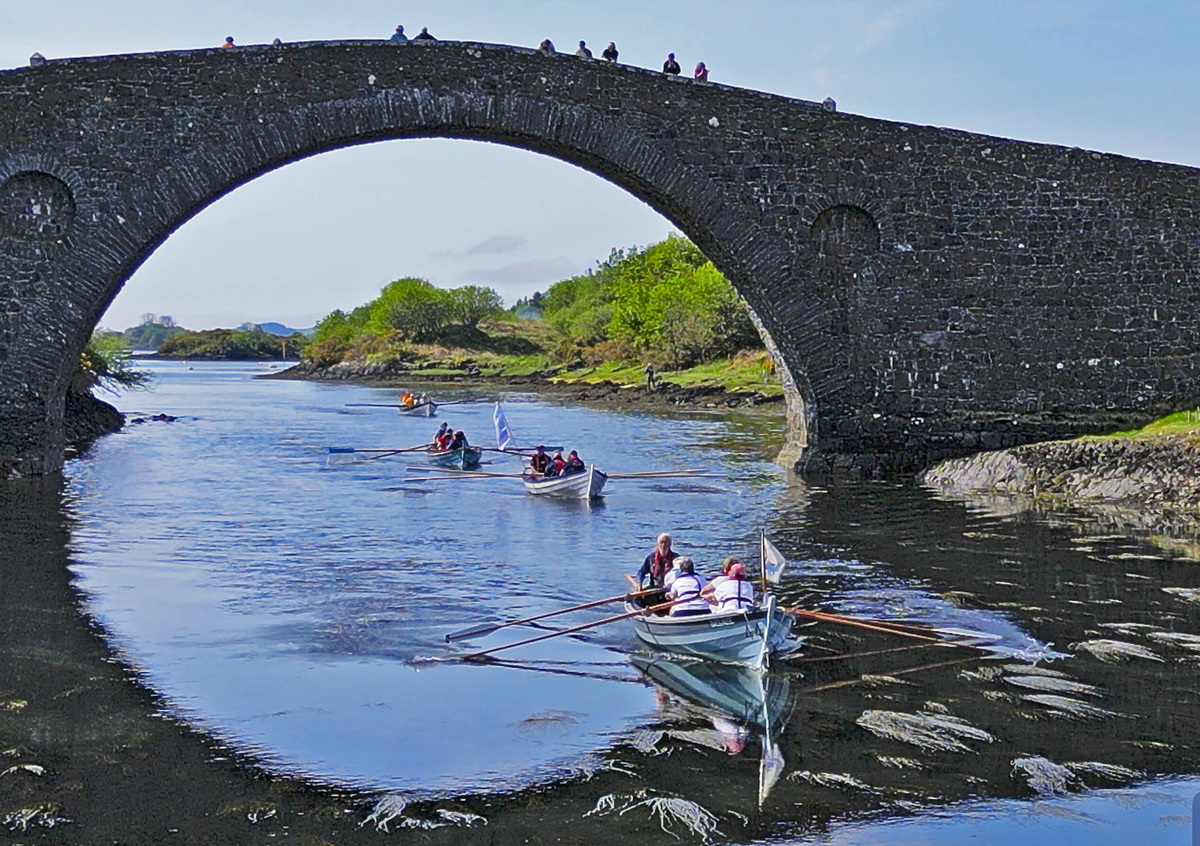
point(925, 291)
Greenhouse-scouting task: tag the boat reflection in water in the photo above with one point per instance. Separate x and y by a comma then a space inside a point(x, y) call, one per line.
point(736, 700)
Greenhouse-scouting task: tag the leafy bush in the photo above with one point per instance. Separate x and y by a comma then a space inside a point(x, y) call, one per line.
point(105, 365)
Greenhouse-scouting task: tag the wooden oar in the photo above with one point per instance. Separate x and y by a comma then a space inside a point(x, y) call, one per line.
point(459, 475)
point(641, 611)
point(347, 450)
point(482, 630)
point(851, 621)
point(455, 471)
point(668, 474)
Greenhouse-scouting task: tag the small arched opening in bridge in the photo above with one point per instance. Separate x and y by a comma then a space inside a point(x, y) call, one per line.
point(388, 206)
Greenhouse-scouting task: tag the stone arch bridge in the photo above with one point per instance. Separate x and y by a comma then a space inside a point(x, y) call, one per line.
point(925, 291)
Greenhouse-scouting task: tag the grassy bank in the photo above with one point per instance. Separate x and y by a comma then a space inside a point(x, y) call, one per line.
point(1184, 424)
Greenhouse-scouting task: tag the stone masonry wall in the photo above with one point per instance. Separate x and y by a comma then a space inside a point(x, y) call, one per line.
point(928, 292)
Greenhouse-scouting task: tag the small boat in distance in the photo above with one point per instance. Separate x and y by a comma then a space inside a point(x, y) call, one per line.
point(420, 409)
point(585, 485)
point(464, 458)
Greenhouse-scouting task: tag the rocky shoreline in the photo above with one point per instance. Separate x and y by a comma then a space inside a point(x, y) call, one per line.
point(85, 419)
point(1145, 483)
point(551, 383)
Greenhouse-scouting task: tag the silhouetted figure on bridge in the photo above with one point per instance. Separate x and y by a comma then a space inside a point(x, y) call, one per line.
point(424, 35)
point(228, 45)
point(547, 47)
point(398, 36)
point(701, 73)
point(670, 65)
point(829, 105)
point(583, 52)
point(610, 52)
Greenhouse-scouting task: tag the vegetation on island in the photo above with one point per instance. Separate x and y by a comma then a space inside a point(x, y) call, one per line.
point(664, 304)
point(245, 344)
point(152, 332)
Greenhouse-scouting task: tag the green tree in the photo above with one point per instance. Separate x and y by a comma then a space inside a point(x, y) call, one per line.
point(470, 304)
point(412, 307)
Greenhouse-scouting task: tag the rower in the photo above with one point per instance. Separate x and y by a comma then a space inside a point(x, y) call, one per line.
point(539, 462)
point(735, 593)
point(557, 464)
point(408, 399)
point(441, 433)
point(686, 590)
point(658, 562)
point(574, 464)
point(460, 441)
point(716, 580)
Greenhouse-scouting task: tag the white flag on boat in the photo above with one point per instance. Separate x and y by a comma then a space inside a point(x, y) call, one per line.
point(503, 433)
point(773, 561)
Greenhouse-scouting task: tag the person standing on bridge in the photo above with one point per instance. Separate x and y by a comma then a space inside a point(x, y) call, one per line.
point(610, 52)
point(424, 35)
point(583, 52)
point(398, 36)
point(670, 65)
point(547, 47)
point(228, 45)
point(701, 73)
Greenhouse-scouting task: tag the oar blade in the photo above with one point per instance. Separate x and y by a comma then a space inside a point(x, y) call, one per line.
point(474, 631)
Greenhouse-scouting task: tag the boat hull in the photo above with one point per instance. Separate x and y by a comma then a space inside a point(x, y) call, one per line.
point(586, 485)
point(426, 409)
point(460, 459)
point(734, 637)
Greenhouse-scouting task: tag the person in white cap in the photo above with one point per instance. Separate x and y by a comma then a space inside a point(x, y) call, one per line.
point(685, 589)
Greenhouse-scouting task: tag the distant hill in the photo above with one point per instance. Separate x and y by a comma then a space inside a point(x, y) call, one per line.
point(283, 331)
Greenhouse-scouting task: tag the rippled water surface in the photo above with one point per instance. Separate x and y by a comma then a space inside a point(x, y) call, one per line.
point(288, 605)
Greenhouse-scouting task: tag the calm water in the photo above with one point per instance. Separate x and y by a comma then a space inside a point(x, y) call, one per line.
point(287, 606)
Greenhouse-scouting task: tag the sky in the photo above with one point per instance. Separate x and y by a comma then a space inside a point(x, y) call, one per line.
point(328, 232)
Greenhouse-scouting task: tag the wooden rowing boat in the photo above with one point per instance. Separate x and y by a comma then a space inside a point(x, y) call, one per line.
point(747, 636)
point(420, 409)
point(585, 485)
point(464, 458)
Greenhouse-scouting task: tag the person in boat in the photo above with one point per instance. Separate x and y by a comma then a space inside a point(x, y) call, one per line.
point(734, 592)
point(657, 563)
point(539, 462)
point(459, 441)
point(446, 439)
point(439, 434)
point(716, 580)
point(557, 464)
point(574, 464)
point(686, 590)
point(408, 400)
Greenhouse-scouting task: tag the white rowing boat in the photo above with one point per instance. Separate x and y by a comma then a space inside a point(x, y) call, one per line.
point(748, 636)
point(585, 485)
point(420, 409)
